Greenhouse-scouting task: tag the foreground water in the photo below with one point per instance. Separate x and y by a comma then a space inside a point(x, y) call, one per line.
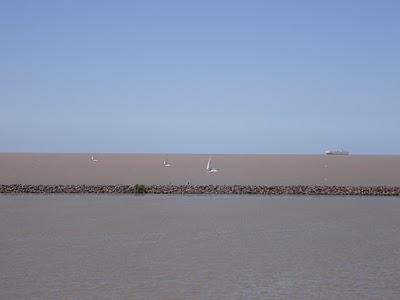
point(199, 247)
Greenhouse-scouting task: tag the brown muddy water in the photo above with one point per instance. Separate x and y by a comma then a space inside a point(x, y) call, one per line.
point(199, 247)
point(359, 170)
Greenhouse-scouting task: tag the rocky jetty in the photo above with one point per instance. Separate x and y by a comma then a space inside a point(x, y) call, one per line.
point(204, 189)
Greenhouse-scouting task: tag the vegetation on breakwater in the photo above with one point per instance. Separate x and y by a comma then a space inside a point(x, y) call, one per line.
point(139, 189)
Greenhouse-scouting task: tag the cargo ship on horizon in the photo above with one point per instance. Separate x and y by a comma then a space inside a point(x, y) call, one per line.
point(336, 152)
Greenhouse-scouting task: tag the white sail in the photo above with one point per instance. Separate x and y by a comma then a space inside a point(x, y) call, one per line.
point(165, 162)
point(208, 168)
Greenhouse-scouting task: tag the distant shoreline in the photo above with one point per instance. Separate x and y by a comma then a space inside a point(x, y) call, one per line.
point(202, 189)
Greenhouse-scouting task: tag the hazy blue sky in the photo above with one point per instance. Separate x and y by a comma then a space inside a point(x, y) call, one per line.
point(200, 76)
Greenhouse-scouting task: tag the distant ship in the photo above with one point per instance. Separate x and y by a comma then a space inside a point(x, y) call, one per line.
point(336, 152)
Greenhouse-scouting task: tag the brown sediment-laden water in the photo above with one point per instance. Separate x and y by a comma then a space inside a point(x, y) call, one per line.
point(88, 246)
point(188, 169)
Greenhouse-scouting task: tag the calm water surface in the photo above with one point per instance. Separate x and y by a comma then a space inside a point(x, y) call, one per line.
point(234, 169)
point(199, 247)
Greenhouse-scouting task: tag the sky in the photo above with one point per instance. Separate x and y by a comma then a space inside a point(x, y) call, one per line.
point(221, 76)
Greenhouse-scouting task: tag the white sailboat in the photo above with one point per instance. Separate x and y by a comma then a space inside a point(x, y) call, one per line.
point(209, 168)
point(165, 162)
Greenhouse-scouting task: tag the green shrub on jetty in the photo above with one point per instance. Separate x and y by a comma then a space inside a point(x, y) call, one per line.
point(139, 189)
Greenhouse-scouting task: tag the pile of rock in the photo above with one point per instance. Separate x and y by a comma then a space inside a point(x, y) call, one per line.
point(205, 189)
point(67, 189)
point(274, 190)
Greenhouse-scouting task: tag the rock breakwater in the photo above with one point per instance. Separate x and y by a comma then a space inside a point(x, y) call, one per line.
point(205, 189)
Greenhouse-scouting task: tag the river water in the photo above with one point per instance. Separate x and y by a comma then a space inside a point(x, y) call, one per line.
point(199, 247)
point(353, 170)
